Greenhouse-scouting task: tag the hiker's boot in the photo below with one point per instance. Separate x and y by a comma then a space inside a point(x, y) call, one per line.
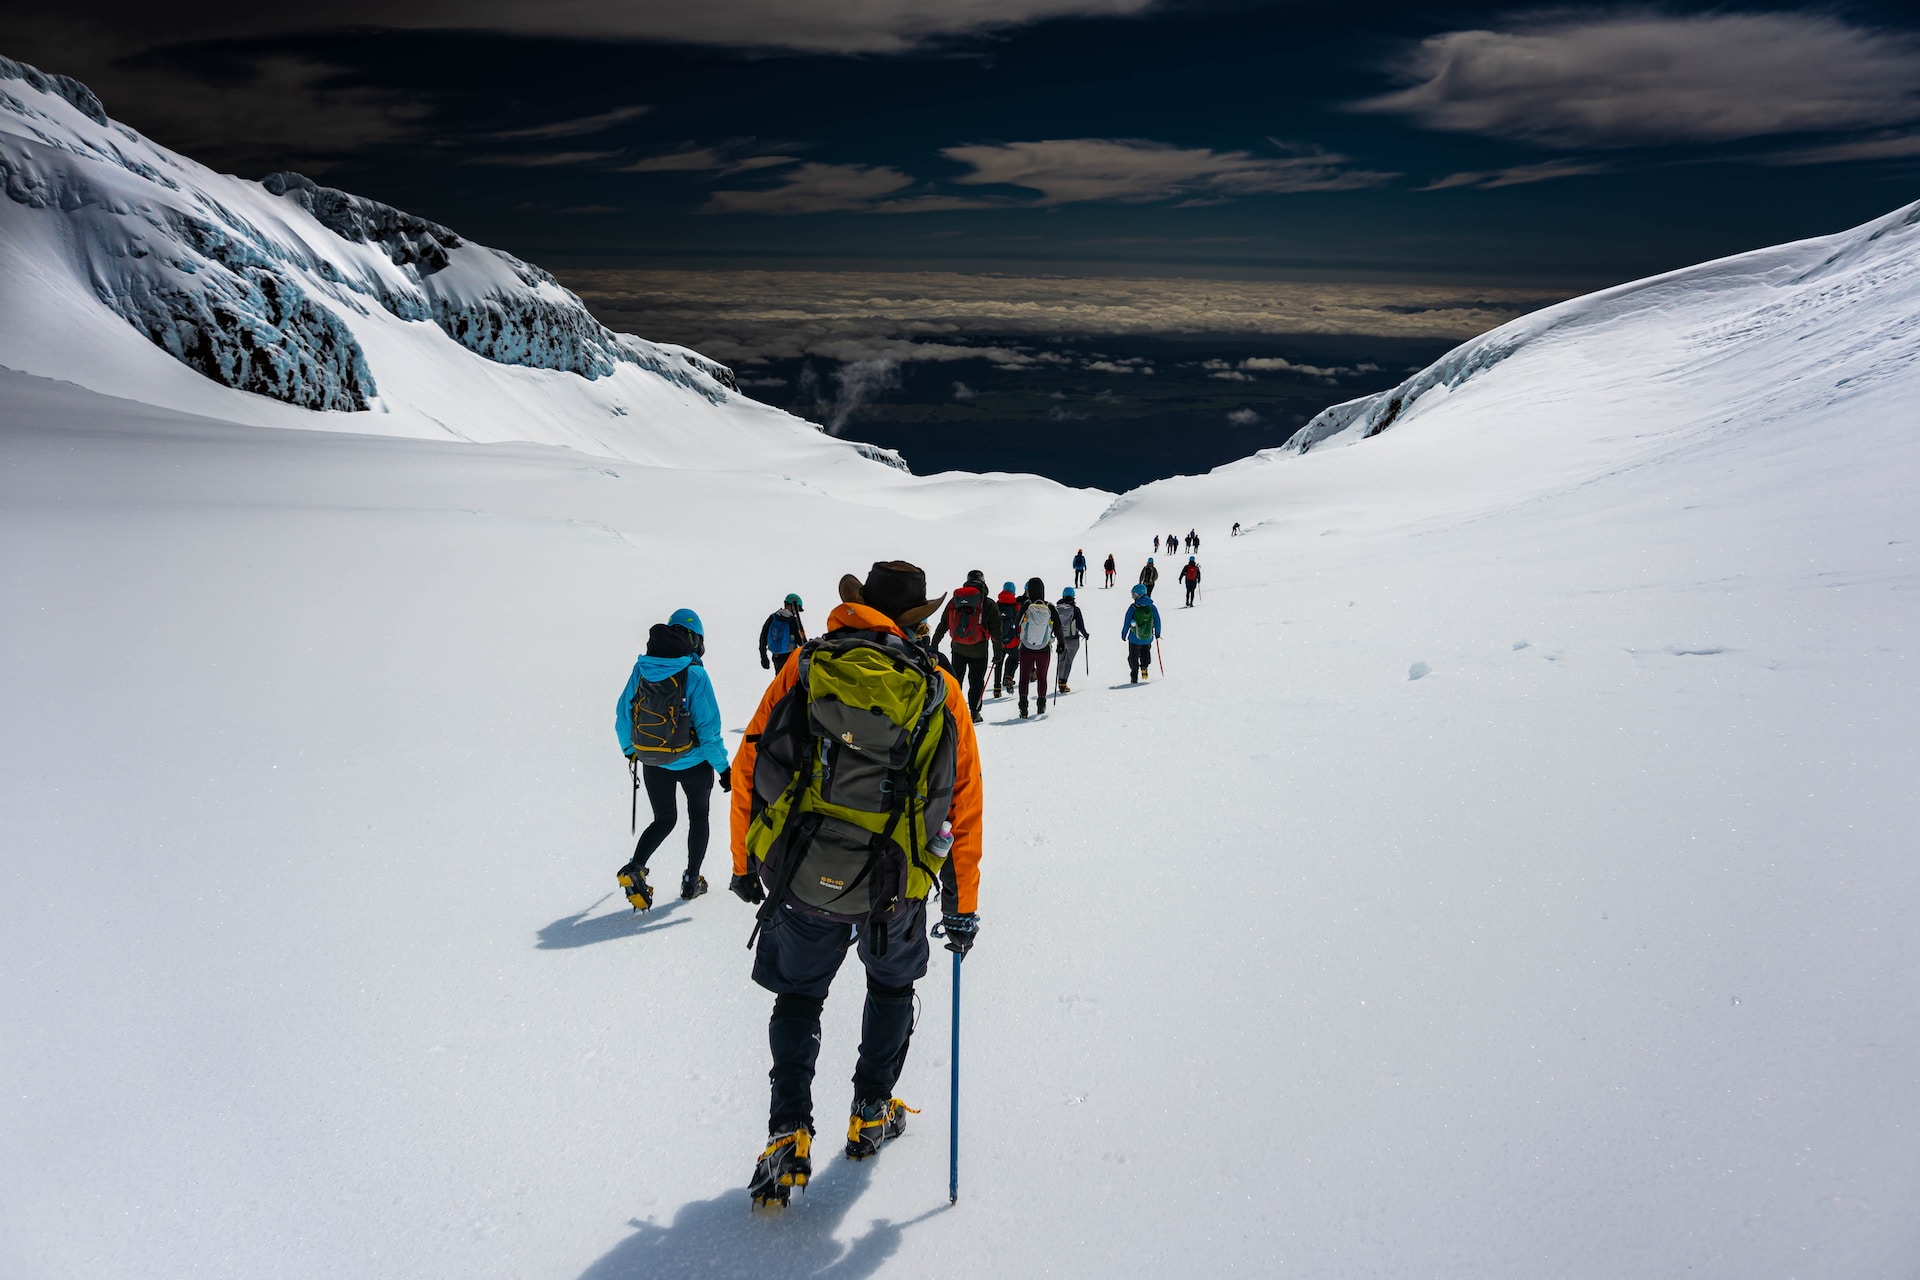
point(785, 1164)
point(692, 885)
point(1023, 711)
point(1133, 677)
point(1065, 687)
point(874, 1123)
point(633, 883)
point(1040, 708)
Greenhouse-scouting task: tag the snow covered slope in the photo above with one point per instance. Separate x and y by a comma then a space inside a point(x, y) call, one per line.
point(1510, 876)
point(133, 270)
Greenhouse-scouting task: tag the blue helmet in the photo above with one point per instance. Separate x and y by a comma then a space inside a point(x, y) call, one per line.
point(1006, 586)
point(1139, 588)
point(1069, 592)
point(688, 621)
point(1149, 559)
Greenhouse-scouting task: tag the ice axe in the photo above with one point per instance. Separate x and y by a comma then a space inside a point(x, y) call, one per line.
point(1158, 658)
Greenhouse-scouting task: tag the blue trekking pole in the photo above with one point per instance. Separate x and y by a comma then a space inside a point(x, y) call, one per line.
point(953, 1134)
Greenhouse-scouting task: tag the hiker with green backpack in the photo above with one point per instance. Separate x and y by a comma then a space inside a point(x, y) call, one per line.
point(1140, 628)
point(668, 723)
point(857, 790)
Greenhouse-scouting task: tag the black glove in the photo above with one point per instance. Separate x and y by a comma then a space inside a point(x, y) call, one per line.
point(766, 663)
point(959, 929)
point(747, 889)
point(725, 778)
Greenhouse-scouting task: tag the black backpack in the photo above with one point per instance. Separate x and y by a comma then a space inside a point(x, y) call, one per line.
point(662, 720)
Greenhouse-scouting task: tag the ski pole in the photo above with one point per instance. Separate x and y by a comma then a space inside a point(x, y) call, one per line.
point(953, 1108)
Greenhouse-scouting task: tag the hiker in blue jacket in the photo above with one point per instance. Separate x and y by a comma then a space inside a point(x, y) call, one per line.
point(1080, 568)
point(782, 633)
point(668, 722)
point(1140, 627)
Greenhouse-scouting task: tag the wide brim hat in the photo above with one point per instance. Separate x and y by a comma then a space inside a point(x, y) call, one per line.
point(895, 588)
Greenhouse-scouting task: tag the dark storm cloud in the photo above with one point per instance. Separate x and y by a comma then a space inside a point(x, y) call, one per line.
point(864, 26)
point(1636, 78)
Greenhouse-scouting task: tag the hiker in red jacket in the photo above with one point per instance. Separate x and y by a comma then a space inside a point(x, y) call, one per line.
point(1190, 577)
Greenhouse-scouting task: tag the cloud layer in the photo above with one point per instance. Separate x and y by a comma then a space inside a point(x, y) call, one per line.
point(745, 316)
point(1136, 171)
point(1645, 78)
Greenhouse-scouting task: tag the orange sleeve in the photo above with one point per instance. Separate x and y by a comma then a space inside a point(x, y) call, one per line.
point(740, 813)
point(967, 812)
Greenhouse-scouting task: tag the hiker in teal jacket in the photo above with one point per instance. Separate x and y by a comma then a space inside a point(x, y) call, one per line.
point(1140, 627)
point(672, 661)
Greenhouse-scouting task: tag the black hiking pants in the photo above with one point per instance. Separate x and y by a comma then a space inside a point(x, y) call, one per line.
point(1006, 665)
point(662, 787)
point(1139, 658)
point(1191, 588)
point(970, 669)
point(780, 661)
point(797, 957)
point(1080, 577)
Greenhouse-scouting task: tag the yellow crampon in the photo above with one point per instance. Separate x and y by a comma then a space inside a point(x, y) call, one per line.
point(889, 1122)
point(802, 1143)
point(634, 885)
point(780, 1171)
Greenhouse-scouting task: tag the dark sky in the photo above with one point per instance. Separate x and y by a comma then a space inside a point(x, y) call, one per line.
point(1384, 141)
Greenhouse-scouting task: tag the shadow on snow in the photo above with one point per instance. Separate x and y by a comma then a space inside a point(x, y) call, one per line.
point(723, 1238)
point(578, 931)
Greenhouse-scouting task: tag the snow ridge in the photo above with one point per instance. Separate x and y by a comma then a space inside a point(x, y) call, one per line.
point(242, 290)
point(1863, 259)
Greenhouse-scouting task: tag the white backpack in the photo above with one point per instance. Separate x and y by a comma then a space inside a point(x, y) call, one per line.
point(1036, 626)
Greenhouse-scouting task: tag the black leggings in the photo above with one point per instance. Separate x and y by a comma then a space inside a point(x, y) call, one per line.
point(661, 785)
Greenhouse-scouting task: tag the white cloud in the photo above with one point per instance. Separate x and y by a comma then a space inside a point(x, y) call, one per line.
point(961, 391)
point(576, 128)
point(1243, 417)
point(1638, 77)
point(1107, 366)
point(816, 188)
point(1895, 147)
point(1135, 171)
point(541, 159)
point(692, 159)
point(1232, 375)
point(1519, 175)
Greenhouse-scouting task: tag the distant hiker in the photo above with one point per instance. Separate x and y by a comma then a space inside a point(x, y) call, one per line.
point(669, 726)
point(1073, 629)
point(1006, 661)
point(1190, 578)
point(1110, 568)
point(1172, 538)
point(1080, 568)
point(1236, 529)
point(1194, 540)
point(972, 620)
point(1140, 628)
point(854, 871)
point(782, 633)
point(1156, 544)
point(1037, 632)
point(1149, 576)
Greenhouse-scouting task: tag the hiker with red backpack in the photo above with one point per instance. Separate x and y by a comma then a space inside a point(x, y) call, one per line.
point(972, 621)
point(1111, 569)
point(863, 712)
point(1190, 578)
point(1073, 629)
point(668, 723)
point(1006, 662)
point(1035, 632)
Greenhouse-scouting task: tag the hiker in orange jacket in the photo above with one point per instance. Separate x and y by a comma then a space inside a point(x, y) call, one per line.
point(800, 947)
